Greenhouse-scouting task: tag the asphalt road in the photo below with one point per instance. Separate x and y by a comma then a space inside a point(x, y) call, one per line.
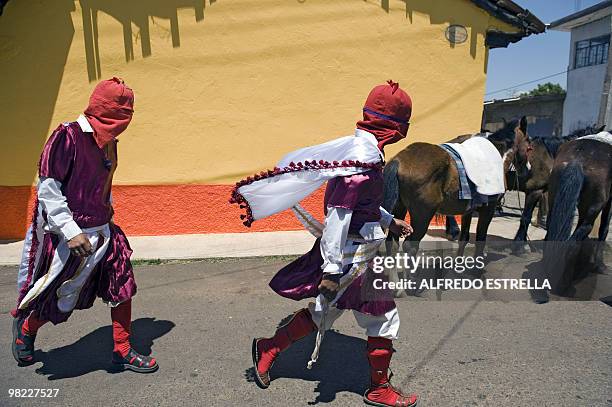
point(198, 319)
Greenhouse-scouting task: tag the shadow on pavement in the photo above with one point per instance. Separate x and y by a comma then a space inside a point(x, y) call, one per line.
point(93, 351)
point(342, 366)
point(441, 233)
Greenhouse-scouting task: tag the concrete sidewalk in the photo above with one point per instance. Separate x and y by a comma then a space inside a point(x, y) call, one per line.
point(252, 244)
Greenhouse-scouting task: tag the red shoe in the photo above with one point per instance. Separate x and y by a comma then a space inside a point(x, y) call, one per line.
point(381, 392)
point(386, 395)
point(22, 345)
point(265, 350)
point(135, 362)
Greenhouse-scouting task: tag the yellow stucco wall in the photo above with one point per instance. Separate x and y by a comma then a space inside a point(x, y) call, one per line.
point(224, 89)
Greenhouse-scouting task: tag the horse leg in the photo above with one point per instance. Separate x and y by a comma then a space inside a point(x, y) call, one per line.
point(578, 251)
point(586, 219)
point(598, 260)
point(485, 215)
point(392, 242)
point(499, 208)
point(543, 211)
point(420, 217)
point(521, 234)
point(464, 236)
point(605, 221)
point(452, 229)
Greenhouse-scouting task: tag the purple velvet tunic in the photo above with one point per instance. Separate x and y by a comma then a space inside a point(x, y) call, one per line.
point(363, 194)
point(73, 158)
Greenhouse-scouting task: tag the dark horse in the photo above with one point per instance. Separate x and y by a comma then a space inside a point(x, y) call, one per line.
point(423, 180)
point(581, 177)
point(534, 182)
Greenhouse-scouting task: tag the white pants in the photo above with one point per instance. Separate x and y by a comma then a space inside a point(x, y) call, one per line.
point(385, 326)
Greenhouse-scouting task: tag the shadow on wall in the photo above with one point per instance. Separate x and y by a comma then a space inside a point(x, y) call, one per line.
point(128, 12)
point(442, 12)
point(446, 13)
point(32, 63)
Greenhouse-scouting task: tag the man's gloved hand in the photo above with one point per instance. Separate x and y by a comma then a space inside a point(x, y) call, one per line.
point(80, 245)
point(329, 286)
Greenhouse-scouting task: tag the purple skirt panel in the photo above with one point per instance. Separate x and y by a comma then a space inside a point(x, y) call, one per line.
point(300, 279)
point(112, 279)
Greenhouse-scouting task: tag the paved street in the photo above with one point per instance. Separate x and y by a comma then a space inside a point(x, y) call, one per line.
point(198, 319)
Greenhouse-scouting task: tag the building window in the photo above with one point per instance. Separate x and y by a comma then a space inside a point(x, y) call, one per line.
point(592, 52)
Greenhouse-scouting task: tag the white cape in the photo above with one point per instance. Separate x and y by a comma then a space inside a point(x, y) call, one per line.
point(302, 172)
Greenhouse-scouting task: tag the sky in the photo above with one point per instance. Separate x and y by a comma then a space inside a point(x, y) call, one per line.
point(536, 56)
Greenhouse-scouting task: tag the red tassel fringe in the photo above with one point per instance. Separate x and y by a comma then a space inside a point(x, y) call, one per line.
point(237, 198)
point(31, 254)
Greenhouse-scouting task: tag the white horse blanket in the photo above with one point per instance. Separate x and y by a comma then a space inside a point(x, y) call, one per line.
point(483, 164)
point(602, 136)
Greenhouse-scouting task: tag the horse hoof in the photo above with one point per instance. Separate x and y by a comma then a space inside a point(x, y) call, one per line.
point(539, 296)
point(452, 237)
point(519, 249)
point(416, 292)
point(400, 294)
point(541, 225)
point(535, 249)
point(600, 269)
point(474, 273)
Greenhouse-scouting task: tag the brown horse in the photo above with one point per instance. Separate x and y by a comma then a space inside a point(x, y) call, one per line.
point(423, 180)
point(534, 182)
point(581, 177)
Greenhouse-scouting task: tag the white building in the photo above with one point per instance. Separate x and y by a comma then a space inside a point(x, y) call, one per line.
point(589, 71)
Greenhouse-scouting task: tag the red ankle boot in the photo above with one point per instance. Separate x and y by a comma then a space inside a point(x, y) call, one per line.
point(381, 392)
point(265, 350)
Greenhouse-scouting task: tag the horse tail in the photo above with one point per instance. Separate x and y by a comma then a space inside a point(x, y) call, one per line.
point(391, 185)
point(561, 214)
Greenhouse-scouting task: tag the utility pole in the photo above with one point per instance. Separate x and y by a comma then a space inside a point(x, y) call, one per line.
point(605, 106)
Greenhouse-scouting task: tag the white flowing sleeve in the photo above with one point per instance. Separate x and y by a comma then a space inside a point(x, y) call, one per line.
point(335, 232)
point(385, 218)
point(53, 201)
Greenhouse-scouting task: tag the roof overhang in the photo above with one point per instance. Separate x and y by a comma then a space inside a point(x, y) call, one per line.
point(2, 4)
point(589, 14)
point(520, 100)
point(514, 15)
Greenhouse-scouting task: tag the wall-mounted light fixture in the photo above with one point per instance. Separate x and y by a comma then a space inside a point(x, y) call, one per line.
point(456, 34)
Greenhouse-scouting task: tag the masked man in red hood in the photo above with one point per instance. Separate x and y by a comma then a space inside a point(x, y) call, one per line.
point(336, 271)
point(73, 252)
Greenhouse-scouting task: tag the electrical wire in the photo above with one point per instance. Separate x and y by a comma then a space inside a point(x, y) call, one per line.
point(527, 83)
